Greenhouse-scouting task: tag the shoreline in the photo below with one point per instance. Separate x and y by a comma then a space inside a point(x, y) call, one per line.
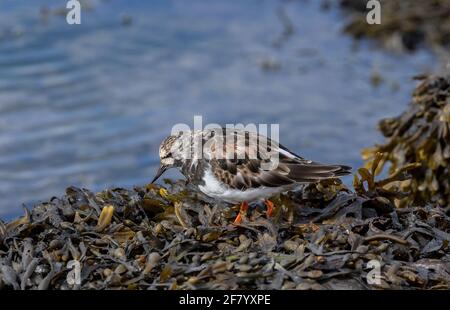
point(326, 237)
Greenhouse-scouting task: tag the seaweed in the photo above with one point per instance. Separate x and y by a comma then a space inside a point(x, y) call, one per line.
point(421, 137)
point(405, 24)
point(170, 237)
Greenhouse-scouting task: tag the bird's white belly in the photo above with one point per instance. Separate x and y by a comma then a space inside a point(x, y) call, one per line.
point(218, 190)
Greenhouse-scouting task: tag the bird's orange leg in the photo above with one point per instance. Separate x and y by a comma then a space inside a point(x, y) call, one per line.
point(242, 210)
point(269, 204)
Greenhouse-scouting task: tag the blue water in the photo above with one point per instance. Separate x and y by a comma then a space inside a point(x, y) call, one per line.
point(88, 104)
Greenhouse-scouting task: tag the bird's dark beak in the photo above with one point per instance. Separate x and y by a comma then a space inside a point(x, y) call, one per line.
point(160, 171)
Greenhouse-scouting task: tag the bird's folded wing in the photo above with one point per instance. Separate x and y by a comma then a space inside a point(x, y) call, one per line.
point(241, 159)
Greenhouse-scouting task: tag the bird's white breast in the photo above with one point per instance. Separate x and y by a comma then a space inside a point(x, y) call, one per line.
point(218, 190)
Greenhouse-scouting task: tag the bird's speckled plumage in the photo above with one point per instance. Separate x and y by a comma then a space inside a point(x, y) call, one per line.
point(255, 166)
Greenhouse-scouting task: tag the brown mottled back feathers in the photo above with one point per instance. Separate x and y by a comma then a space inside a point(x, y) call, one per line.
point(243, 170)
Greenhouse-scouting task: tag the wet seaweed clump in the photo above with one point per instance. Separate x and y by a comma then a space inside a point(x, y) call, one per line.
point(405, 24)
point(420, 135)
point(155, 237)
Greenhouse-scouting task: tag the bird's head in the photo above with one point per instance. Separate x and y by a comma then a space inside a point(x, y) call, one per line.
point(170, 154)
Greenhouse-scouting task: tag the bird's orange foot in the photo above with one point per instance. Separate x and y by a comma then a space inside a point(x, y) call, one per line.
point(242, 210)
point(269, 204)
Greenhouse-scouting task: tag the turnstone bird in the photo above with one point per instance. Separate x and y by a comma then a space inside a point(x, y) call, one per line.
point(237, 166)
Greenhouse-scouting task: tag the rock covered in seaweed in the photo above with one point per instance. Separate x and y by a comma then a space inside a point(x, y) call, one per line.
point(172, 238)
point(421, 135)
point(405, 24)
